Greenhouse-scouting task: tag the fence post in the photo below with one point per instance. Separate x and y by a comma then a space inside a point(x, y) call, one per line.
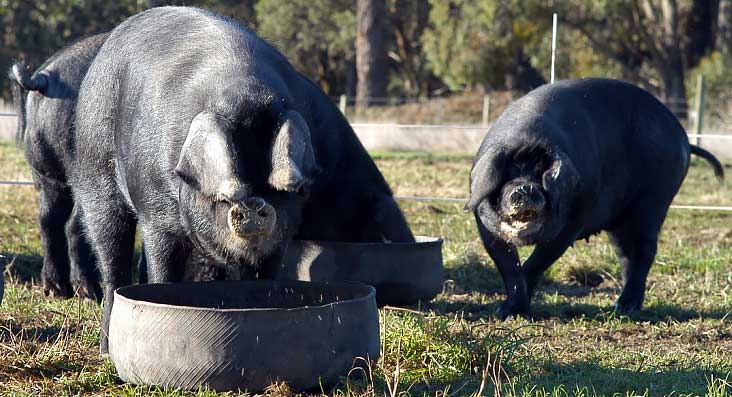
point(486, 109)
point(342, 103)
point(699, 108)
point(440, 110)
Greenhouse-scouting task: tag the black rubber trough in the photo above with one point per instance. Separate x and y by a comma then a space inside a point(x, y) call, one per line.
point(402, 273)
point(242, 335)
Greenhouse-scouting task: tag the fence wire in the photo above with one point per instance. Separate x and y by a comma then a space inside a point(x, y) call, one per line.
point(476, 128)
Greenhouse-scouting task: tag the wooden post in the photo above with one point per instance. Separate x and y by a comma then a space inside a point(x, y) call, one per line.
point(486, 109)
point(343, 103)
point(699, 108)
point(440, 111)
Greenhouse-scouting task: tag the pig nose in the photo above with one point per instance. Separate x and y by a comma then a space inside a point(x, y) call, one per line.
point(519, 195)
point(527, 196)
point(252, 217)
point(254, 204)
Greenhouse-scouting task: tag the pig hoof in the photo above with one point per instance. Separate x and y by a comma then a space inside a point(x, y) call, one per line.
point(56, 289)
point(627, 308)
point(512, 309)
point(85, 290)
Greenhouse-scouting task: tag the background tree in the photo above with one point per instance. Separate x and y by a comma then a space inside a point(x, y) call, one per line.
point(723, 39)
point(482, 42)
point(654, 41)
point(409, 72)
point(370, 51)
point(436, 46)
point(317, 36)
point(33, 30)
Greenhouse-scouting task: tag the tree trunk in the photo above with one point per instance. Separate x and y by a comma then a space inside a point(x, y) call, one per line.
point(671, 62)
point(522, 75)
point(674, 91)
point(700, 28)
point(724, 28)
point(370, 52)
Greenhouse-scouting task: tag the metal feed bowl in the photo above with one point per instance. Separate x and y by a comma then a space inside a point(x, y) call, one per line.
point(402, 273)
point(231, 335)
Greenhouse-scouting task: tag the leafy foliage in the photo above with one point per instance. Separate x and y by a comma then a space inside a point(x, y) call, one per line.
point(316, 35)
point(717, 72)
point(433, 46)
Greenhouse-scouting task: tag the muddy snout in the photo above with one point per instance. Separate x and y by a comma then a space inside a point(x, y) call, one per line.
point(523, 201)
point(252, 217)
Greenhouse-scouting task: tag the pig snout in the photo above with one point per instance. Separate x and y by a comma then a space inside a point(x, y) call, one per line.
point(525, 199)
point(252, 217)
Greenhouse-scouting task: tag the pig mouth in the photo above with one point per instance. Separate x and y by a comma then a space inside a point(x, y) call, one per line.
point(521, 225)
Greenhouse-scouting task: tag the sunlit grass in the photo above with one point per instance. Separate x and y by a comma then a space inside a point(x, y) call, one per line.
point(680, 344)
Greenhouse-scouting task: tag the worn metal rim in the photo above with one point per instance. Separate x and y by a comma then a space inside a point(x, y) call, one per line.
point(419, 241)
point(370, 293)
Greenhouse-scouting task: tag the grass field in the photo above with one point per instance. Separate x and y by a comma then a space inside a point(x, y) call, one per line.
point(680, 344)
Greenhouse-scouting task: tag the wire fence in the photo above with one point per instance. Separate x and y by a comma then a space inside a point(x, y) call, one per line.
point(477, 127)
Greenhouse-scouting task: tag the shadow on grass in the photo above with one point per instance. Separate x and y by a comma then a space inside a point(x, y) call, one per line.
point(12, 331)
point(591, 379)
point(31, 355)
point(474, 277)
point(24, 268)
point(542, 310)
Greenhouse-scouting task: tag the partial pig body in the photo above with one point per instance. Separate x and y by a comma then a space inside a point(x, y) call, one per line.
point(567, 161)
point(203, 134)
point(46, 104)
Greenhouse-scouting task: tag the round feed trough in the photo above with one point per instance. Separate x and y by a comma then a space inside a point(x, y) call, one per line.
point(244, 335)
point(402, 273)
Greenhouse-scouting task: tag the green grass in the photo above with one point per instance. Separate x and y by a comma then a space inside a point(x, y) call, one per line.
point(680, 344)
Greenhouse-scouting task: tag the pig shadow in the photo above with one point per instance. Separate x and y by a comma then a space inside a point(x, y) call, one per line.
point(475, 291)
point(25, 268)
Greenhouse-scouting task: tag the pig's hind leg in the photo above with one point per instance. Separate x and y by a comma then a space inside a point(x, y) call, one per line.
point(110, 228)
point(55, 203)
point(84, 276)
point(635, 240)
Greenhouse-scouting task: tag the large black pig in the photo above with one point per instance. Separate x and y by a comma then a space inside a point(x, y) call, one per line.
point(46, 102)
point(204, 134)
point(567, 161)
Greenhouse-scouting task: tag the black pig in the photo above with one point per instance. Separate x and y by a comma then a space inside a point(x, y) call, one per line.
point(567, 161)
point(46, 101)
point(201, 132)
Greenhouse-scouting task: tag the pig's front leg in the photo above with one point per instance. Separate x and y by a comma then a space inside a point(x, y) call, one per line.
point(165, 252)
point(507, 260)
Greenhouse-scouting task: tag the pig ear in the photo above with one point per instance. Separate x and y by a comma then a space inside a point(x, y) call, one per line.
point(208, 160)
point(561, 177)
point(293, 160)
point(485, 177)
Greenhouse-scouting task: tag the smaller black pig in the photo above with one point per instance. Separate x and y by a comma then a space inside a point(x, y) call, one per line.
point(567, 161)
point(46, 101)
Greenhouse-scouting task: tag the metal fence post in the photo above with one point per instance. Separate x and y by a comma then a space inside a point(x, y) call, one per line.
point(699, 108)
